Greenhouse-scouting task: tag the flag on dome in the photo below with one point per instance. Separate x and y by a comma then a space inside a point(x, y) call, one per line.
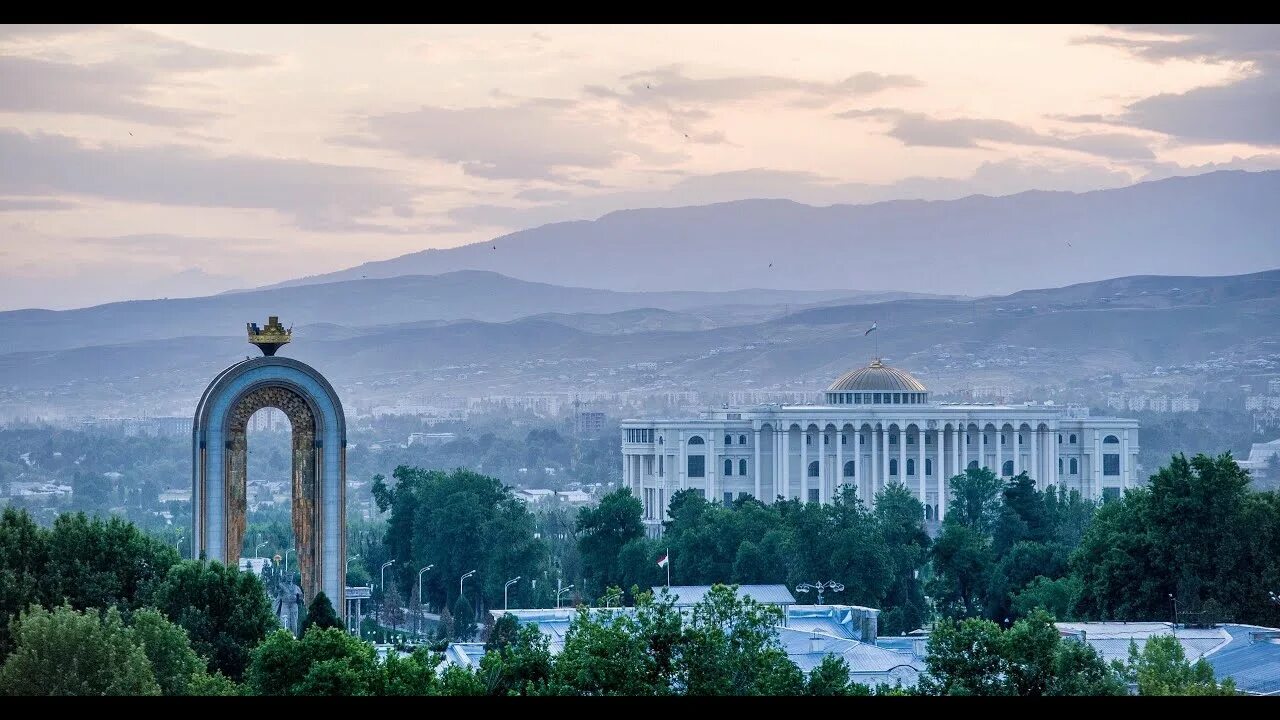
point(868, 332)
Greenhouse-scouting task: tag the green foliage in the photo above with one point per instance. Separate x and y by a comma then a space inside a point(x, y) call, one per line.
point(224, 611)
point(975, 657)
point(604, 654)
point(603, 531)
point(175, 664)
point(69, 652)
point(1161, 668)
point(459, 521)
point(326, 661)
point(831, 677)
point(320, 613)
point(1195, 533)
point(730, 647)
point(464, 620)
point(24, 558)
point(519, 663)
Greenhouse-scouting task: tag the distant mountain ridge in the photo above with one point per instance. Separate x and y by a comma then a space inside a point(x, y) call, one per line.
point(468, 294)
point(1219, 223)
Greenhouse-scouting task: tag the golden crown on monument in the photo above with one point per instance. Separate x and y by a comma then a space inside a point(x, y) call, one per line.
point(269, 338)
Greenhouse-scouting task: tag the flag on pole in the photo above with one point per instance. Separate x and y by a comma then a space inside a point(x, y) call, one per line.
point(663, 561)
point(868, 332)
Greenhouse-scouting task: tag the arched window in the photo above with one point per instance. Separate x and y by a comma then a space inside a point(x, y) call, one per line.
point(1073, 439)
point(1019, 437)
point(813, 469)
point(893, 467)
point(1111, 440)
point(695, 440)
point(1008, 468)
point(844, 439)
point(1075, 466)
point(973, 465)
point(848, 469)
point(742, 466)
point(728, 467)
point(1059, 438)
point(911, 466)
point(1059, 463)
point(742, 439)
point(928, 466)
point(728, 440)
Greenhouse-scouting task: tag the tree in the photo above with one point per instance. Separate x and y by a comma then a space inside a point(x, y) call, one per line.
point(96, 563)
point(519, 664)
point(603, 531)
point(730, 647)
point(325, 661)
point(964, 658)
point(1057, 597)
point(459, 521)
point(830, 677)
point(68, 652)
point(1161, 668)
point(900, 518)
point(24, 558)
point(604, 654)
point(167, 647)
point(963, 554)
point(224, 611)
point(464, 620)
point(321, 614)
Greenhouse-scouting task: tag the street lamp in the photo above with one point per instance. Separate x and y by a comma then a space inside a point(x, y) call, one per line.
point(1274, 598)
point(255, 550)
point(510, 582)
point(286, 562)
point(612, 594)
point(560, 593)
point(178, 546)
point(386, 565)
point(420, 581)
point(820, 588)
point(461, 579)
point(347, 570)
point(1174, 600)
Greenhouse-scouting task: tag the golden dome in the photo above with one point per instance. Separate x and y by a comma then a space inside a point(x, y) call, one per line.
point(877, 377)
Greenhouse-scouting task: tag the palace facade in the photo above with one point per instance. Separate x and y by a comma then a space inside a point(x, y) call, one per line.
point(877, 426)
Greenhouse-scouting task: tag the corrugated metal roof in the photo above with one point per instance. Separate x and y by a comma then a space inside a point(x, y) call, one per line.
point(1251, 659)
point(694, 594)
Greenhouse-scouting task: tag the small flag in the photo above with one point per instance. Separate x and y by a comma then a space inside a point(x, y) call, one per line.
point(868, 332)
point(663, 561)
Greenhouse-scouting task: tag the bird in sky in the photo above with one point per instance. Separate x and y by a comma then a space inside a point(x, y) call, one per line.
point(770, 264)
point(495, 247)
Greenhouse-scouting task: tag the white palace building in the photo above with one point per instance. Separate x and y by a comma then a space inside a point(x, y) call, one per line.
point(878, 425)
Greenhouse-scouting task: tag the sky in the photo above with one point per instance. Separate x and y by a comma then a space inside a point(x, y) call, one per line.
point(167, 161)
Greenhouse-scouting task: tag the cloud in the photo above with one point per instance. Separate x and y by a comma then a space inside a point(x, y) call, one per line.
point(670, 84)
point(23, 31)
point(685, 100)
point(1241, 111)
point(919, 129)
point(118, 88)
point(1255, 163)
point(991, 178)
point(317, 196)
point(540, 138)
point(24, 204)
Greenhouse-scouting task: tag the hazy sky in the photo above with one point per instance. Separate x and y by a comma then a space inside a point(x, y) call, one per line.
point(148, 161)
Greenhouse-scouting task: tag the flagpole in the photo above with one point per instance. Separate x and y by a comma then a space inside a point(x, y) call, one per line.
point(668, 566)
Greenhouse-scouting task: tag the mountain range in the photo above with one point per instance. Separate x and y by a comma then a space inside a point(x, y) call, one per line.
point(1218, 223)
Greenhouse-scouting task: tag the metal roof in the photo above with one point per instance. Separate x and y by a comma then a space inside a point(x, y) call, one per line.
point(1251, 659)
point(693, 594)
point(877, 376)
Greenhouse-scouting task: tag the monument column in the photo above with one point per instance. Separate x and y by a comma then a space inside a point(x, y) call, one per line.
point(755, 460)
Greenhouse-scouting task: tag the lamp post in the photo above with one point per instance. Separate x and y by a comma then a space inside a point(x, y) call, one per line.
point(347, 570)
point(428, 567)
point(255, 550)
point(1174, 600)
point(510, 582)
point(178, 546)
point(386, 565)
point(286, 562)
point(463, 578)
point(820, 588)
point(609, 597)
point(559, 594)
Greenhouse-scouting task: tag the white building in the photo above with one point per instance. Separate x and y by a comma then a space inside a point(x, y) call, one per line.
point(1184, 404)
point(877, 426)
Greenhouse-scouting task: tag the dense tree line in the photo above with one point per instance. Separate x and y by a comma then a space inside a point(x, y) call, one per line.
point(458, 522)
point(877, 554)
point(105, 580)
